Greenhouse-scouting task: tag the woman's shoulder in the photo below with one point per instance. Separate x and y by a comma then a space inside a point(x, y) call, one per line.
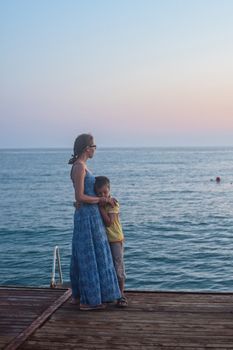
point(78, 168)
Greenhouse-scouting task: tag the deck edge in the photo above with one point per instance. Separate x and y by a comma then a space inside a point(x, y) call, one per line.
point(22, 337)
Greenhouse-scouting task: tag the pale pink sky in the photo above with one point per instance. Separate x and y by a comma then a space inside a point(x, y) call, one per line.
point(134, 73)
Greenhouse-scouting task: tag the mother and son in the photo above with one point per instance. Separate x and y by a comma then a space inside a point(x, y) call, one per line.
point(97, 268)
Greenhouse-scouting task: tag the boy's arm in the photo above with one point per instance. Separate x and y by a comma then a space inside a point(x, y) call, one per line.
point(107, 217)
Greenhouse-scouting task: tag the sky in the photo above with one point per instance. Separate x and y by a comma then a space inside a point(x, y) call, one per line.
point(131, 72)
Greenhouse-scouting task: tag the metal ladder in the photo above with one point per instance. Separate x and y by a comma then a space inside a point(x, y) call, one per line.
point(56, 259)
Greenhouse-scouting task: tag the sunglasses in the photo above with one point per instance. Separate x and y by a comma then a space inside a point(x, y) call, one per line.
point(92, 146)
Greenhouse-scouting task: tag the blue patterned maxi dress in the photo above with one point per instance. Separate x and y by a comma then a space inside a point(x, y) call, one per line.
point(92, 274)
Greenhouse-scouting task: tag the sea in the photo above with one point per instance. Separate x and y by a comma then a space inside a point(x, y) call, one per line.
point(177, 220)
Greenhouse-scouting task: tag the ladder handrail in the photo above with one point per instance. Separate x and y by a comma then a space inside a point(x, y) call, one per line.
point(56, 258)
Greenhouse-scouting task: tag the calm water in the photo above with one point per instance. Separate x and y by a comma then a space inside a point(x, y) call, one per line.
point(178, 224)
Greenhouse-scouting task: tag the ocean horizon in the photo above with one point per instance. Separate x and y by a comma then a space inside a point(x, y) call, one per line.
point(217, 147)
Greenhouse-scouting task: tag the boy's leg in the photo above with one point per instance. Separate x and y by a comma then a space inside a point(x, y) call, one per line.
point(117, 250)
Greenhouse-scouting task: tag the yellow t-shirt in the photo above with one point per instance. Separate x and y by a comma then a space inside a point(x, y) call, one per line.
point(114, 231)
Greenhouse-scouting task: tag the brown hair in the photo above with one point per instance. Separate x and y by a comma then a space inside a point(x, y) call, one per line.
point(80, 144)
point(101, 181)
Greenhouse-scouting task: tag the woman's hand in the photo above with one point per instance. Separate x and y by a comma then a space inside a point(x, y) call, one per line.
point(104, 200)
point(77, 205)
point(112, 201)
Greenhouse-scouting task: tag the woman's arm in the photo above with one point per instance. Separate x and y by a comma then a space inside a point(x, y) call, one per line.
point(108, 218)
point(78, 176)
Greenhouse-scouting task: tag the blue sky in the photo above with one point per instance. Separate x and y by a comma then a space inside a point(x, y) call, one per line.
point(134, 73)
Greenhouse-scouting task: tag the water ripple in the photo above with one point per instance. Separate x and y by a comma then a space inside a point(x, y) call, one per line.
point(177, 222)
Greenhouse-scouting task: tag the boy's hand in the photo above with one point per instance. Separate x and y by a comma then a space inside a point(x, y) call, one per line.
point(112, 201)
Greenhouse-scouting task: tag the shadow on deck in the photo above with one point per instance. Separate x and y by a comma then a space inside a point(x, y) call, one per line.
point(43, 318)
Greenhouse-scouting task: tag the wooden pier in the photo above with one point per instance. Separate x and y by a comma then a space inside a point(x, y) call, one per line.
point(43, 318)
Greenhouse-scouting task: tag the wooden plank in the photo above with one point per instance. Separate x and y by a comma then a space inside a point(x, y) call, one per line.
point(16, 313)
point(20, 338)
point(153, 320)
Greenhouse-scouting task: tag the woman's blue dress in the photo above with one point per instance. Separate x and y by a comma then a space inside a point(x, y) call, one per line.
point(92, 274)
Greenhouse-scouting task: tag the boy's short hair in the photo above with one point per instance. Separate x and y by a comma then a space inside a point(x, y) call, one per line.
point(101, 181)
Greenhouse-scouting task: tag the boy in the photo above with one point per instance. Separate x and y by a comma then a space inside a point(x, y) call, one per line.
point(115, 234)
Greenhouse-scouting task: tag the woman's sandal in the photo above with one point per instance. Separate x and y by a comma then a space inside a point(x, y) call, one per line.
point(86, 307)
point(122, 302)
point(74, 301)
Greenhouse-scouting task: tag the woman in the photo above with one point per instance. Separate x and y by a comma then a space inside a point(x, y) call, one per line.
point(93, 278)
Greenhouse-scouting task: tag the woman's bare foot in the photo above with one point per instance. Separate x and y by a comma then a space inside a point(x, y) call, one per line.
point(74, 301)
point(122, 302)
point(86, 307)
